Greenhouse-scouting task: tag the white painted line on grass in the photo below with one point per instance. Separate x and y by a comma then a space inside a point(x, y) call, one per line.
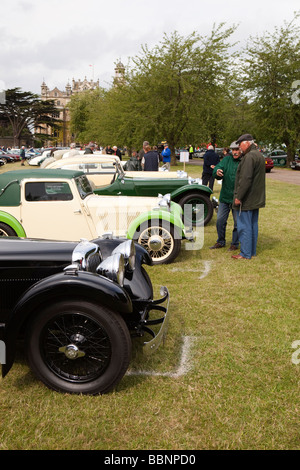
point(205, 270)
point(184, 364)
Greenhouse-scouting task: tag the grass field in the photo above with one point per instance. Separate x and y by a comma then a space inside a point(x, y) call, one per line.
point(232, 326)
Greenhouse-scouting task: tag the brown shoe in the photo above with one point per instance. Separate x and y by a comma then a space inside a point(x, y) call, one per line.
point(238, 257)
point(233, 248)
point(216, 245)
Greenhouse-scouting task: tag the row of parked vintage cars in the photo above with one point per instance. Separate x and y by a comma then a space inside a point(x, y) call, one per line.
point(76, 235)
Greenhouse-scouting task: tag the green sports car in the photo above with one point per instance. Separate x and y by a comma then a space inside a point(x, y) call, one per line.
point(109, 178)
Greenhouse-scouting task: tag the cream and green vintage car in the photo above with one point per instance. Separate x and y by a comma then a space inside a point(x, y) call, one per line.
point(61, 205)
point(109, 178)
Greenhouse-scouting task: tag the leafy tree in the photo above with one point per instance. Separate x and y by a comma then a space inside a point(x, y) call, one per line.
point(26, 112)
point(270, 70)
point(178, 87)
point(176, 92)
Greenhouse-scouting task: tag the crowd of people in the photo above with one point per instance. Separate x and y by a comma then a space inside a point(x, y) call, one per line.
point(242, 171)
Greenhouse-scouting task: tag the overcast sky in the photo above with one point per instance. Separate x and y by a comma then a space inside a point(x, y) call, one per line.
point(64, 39)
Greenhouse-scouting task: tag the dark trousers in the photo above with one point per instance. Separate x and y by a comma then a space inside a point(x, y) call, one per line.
point(207, 178)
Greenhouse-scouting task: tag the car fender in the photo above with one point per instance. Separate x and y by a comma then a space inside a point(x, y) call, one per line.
point(10, 220)
point(81, 284)
point(183, 190)
point(170, 217)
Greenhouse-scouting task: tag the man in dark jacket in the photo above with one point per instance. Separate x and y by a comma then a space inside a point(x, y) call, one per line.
point(226, 170)
point(151, 159)
point(249, 195)
point(89, 148)
point(134, 163)
point(117, 152)
point(210, 160)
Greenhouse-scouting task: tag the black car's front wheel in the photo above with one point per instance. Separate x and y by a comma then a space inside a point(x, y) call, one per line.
point(160, 239)
point(78, 347)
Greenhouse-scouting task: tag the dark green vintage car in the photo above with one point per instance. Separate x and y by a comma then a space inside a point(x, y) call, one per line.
point(109, 178)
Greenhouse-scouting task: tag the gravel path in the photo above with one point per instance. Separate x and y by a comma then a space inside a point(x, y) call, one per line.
point(285, 175)
point(280, 174)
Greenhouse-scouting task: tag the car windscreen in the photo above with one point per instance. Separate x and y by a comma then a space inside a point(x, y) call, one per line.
point(120, 169)
point(83, 185)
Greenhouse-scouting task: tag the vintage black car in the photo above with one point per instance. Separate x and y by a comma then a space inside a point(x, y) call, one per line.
point(75, 308)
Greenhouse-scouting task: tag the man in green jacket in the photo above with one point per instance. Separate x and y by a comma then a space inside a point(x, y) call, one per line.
point(249, 195)
point(226, 170)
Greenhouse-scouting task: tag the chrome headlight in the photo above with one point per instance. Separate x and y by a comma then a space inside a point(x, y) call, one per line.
point(181, 174)
point(165, 201)
point(127, 249)
point(113, 268)
point(195, 180)
point(85, 255)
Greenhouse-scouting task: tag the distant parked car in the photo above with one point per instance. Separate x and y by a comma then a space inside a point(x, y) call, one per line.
point(269, 163)
point(5, 156)
point(279, 157)
point(295, 164)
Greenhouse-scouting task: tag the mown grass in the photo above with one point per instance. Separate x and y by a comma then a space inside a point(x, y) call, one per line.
point(241, 389)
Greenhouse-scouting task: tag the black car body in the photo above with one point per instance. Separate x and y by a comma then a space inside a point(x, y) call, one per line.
point(76, 307)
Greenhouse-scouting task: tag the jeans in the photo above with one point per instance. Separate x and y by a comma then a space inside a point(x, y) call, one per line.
point(222, 217)
point(247, 225)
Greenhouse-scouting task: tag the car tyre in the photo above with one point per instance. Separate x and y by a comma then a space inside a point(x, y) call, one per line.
point(78, 347)
point(194, 199)
point(6, 230)
point(160, 239)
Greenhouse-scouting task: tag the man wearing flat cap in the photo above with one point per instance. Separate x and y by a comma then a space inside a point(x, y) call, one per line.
point(249, 195)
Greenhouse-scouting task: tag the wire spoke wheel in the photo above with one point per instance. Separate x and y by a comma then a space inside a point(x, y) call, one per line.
point(162, 242)
point(78, 347)
point(75, 348)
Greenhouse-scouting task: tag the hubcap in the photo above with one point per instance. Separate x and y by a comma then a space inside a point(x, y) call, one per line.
point(155, 243)
point(158, 242)
point(75, 347)
point(71, 351)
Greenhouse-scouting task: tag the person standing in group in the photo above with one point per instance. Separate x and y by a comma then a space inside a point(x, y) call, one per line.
point(117, 152)
point(166, 154)
point(134, 163)
point(210, 160)
point(150, 160)
point(249, 195)
point(109, 150)
point(225, 170)
point(73, 151)
point(89, 148)
point(22, 155)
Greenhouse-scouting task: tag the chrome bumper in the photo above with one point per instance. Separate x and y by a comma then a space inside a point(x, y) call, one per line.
point(146, 322)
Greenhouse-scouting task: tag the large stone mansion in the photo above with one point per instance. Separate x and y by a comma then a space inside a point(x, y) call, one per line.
point(62, 99)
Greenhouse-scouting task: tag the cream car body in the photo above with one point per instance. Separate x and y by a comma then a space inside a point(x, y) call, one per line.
point(61, 205)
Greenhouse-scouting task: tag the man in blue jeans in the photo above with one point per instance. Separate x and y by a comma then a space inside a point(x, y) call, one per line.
point(249, 195)
point(226, 170)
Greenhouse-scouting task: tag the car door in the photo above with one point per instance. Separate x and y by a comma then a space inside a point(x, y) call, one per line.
point(52, 209)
